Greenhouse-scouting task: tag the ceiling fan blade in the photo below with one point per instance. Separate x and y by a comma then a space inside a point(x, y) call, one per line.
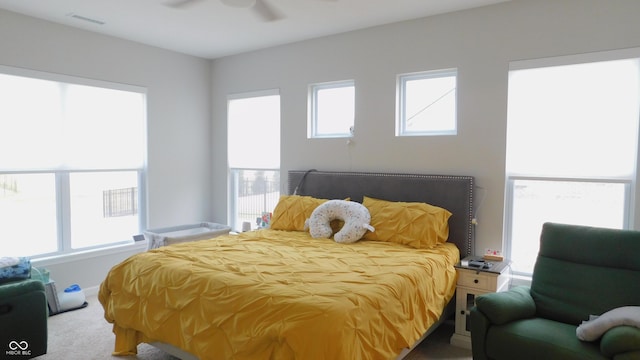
point(266, 12)
point(180, 3)
point(242, 4)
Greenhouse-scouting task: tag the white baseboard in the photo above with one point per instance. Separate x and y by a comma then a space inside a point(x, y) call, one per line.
point(91, 291)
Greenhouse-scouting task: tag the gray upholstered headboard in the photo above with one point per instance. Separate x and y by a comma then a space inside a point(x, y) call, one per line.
point(454, 193)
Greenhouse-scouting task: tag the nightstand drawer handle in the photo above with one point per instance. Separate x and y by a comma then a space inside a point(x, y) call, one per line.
point(476, 281)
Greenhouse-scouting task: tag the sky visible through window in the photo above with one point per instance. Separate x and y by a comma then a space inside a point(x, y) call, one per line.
point(430, 105)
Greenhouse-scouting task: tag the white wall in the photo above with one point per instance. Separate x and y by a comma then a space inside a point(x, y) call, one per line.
point(479, 42)
point(179, 127)
point(187, 98)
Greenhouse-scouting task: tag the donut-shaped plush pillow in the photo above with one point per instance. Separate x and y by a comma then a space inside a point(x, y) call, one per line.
point(356, 219)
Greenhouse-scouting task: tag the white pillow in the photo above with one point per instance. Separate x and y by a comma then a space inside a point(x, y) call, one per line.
point(356, 219)
point(596, 326)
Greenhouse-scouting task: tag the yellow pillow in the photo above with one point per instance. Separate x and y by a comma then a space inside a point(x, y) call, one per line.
point(418, 225)
point(292, 211)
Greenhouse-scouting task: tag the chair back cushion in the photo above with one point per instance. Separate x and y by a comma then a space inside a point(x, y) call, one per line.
point(582, 271)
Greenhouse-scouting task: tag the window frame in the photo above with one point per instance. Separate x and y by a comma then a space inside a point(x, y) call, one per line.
point(233, 170)
point(233, 178)
point(630, 182)
point(401, 97)
point(62, 174)
point(509, 204)
point(313, 109)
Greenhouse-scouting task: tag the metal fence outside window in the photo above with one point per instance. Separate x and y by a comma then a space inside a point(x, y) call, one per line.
point(120, 202)
point(257, 192)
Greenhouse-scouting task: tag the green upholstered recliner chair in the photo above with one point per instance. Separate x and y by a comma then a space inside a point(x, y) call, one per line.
point(23, 319)
point(580, 271)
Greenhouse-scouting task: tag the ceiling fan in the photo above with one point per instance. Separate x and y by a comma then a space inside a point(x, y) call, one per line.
point(261, 8)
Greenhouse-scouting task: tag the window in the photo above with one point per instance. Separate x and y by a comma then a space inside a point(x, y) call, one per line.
point(331, 109)
point(254, 156)
point(426, 103)
point(72, 150)
point(571, 149)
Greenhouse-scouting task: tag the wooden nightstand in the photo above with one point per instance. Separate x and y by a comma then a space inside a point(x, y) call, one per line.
point(471, 283)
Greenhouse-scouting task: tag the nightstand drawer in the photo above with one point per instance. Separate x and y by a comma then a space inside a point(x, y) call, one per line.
point(475, 280)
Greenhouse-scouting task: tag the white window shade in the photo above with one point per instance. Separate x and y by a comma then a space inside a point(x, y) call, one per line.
point(254, 132)
point(572, 128)
point(30, 123)
point(107, 127)
point(55, 125)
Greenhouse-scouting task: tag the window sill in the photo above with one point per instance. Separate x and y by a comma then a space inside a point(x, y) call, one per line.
point(137, 246)
point(518, 280)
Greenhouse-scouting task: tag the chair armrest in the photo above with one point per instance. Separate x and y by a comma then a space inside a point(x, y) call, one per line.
point(620, 340)
point(495, 309)
point(634, 355)
point(19, 287)
point(479, 325)
point(503, 307)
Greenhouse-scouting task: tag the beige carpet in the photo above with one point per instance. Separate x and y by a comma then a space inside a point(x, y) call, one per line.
point(84, 334)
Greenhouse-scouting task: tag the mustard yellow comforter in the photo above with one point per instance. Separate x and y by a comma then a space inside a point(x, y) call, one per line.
point(272, 294)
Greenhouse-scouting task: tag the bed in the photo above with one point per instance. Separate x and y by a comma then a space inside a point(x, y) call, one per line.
point(278, 293)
